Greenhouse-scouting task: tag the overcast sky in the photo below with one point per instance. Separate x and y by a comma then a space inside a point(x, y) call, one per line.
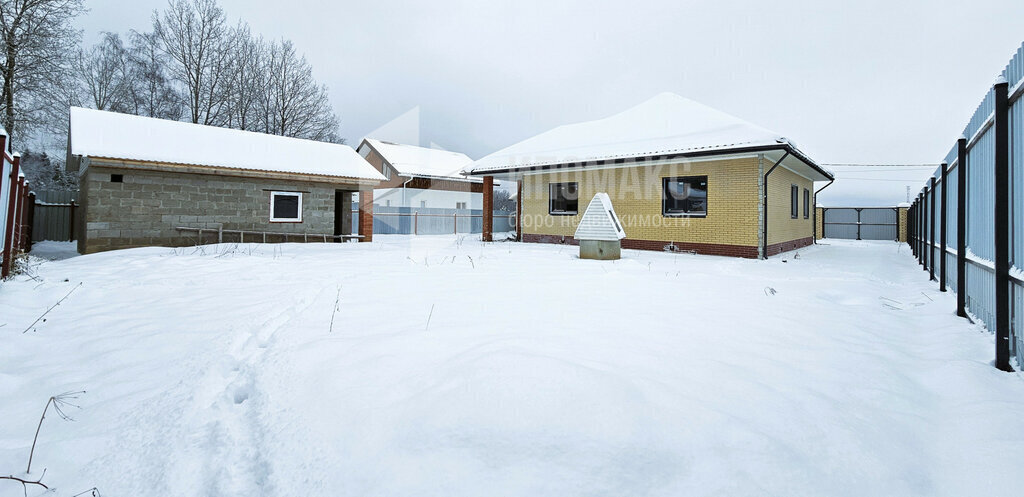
point(850, 82)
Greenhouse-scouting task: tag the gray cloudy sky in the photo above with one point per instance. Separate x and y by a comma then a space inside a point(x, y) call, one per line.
point(851, 82)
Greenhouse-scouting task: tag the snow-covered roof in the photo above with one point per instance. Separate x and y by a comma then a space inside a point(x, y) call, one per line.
point(599, 222)
point(113, 135)
point(411, 160)
point(667, 124)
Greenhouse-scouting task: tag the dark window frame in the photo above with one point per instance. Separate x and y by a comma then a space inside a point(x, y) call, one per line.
point(664, 196)
point(551, 199)
point(794, 201)
point(807, 204)
point(117, 178)
point(273, 201)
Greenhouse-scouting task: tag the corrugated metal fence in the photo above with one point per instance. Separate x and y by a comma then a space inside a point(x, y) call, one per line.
point(435, 221)
point(967, 223)
point(54, 216)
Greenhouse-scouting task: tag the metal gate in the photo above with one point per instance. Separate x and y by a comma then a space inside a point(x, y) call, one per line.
point(862, 223)
point(54, 215)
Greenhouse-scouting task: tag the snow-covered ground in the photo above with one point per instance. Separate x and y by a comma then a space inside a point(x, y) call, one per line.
point(54, 251)
point(458, 368)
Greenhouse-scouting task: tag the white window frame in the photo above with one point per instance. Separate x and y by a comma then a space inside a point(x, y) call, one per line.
point(273, 198)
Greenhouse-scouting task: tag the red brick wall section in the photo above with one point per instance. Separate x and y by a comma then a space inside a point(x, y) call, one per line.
point(488, 193)
point(658, 246)
point(366, 215)
point(779, 248)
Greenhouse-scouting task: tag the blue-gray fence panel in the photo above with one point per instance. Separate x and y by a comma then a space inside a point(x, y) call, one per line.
point(980, 196)
point(840, 215)
point(981, 287)
point(1017, 176)
point(433, 221)
point(841, 231)
point(52, 217)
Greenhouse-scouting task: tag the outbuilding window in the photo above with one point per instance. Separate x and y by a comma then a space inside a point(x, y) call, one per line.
point(807, 203)
point(794, 201)
point(564, 199)
point(685, 196)
point(285, 207)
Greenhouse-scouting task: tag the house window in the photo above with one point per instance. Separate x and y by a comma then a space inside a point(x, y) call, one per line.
point(423, 204)
point(285, 207)
point(685, 197)
point(460, 205)
point(117, 178)
point(794, 201)
point(807, 203)
point(564, 199)
point(387, 171)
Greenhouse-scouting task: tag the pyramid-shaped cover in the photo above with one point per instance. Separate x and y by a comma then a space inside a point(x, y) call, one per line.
point(600, 222)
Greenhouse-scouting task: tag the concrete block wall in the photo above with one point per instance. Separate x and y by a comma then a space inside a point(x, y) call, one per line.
point(147, 206)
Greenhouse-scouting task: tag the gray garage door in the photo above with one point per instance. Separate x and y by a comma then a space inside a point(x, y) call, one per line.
point(861, 223)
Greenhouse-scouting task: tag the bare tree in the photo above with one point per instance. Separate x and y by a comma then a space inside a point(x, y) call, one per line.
point(39, 43)
point(248, 80)
point(195, 36)
point(150, 91)
point(103, 70)
point(293, 103)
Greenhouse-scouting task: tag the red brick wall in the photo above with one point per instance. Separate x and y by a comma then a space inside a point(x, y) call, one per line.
point(779, 248)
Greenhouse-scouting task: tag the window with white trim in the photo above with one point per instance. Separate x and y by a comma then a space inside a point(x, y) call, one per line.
point(460, 205)
point(286, 207)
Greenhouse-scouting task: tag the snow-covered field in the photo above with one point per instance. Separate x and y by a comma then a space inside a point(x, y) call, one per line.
point(458, 368)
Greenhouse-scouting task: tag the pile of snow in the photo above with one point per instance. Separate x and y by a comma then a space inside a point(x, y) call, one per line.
point(54, 251)
point(96, 133)
point(453, 367)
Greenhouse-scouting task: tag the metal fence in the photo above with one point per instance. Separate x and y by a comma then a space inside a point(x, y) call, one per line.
point(54, 215)
point(16, 202)
point(967, 223)
point(861, 223)
point(435, 221)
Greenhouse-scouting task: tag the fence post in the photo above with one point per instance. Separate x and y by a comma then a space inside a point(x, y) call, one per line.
point(942, 237)
point(416, 223)
point(71, 222)
point(31, 218)
point(911, 212)
point(456, 218)
point(931, 233)
point(12, 206)
point(1002, 224)
point(921, 239)
point(961, 227)
point(858, 224)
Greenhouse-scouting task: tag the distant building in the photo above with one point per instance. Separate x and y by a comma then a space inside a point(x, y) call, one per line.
point(421, 177)
point(680, 175)
point(142, 179)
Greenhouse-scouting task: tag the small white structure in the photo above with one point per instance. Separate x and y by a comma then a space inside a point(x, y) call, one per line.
point(600, 232)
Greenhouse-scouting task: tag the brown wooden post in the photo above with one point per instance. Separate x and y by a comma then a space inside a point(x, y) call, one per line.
point(519, 211)
point(30, 218)
point(12, 206)
point(71, 222)
point(416, 223)
point(366, 215)
point(488, 208)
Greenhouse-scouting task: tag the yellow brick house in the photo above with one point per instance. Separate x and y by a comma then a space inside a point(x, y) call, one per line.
point(681, 176)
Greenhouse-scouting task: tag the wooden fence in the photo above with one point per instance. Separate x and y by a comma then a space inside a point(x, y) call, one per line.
point(967, 223)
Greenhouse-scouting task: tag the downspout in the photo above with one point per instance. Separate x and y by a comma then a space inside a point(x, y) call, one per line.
point(764, 227)
point(403, 190)
point(815, 200)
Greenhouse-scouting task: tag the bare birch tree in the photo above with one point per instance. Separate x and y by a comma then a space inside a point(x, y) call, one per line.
point(248, 80)
point(294, 104)
point(103, 70)
point(39, 43)
point(195, 36)
point(150, 90)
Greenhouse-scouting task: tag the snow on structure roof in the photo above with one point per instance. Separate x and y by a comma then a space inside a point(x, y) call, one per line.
point(113, 135)
point(411, 160)
point(599, 222)
point(667, 124)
